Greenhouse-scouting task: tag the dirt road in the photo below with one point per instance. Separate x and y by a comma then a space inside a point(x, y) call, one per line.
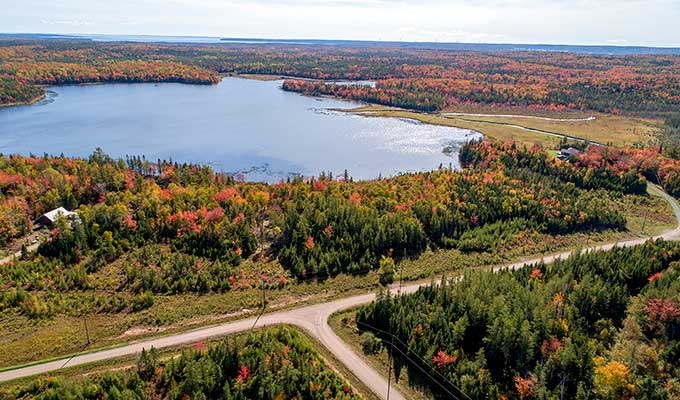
point(313, 319)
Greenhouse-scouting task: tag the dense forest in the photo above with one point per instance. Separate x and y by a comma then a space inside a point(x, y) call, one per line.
point(619, 169)
point(271, 364)
point(173, 228)
point(421, 79)
point(600, 325)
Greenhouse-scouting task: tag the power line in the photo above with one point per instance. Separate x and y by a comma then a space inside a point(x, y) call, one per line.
point(389, 369)
point(264, 305)
point(393, 337)
point(431, 377)
point(426, 373)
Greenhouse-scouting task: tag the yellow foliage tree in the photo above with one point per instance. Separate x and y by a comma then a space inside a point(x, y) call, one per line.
point(611, 380)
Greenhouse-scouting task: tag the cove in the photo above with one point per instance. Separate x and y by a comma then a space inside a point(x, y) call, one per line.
point(237, 126)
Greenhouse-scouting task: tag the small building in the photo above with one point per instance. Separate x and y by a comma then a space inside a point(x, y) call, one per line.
point(567, 154)
point(50, 217)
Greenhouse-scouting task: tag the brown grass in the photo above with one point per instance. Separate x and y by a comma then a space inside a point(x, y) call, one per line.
point(607, 129)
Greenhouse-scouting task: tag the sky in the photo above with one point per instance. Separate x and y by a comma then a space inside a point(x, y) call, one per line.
point(594, 22)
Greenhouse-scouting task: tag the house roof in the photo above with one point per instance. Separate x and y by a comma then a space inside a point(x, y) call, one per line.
point(58, 213)
point(570, 151)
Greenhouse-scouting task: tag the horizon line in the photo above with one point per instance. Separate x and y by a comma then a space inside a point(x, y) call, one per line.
point(318, 40)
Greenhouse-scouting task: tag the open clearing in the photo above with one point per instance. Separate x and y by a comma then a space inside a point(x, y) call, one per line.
point(604, 128)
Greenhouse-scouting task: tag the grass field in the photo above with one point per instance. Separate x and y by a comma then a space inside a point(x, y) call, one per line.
point(24, 340)
point(606, 129)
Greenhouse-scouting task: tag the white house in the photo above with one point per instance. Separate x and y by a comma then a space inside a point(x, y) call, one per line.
point(50, 217)
point(567, 154)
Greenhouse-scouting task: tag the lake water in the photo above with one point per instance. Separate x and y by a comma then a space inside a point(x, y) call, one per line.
point(239, 125)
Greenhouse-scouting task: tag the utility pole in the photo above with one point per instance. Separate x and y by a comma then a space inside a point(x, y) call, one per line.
point(401, 275)
point(389, 357)
point(264, 304)
point(389, 366)
point(87, 332)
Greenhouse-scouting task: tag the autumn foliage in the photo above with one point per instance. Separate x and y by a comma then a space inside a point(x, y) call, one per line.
point(422, 79)
point(594, 326)
point(25, 65)
point(274, 364)
point(181, 228)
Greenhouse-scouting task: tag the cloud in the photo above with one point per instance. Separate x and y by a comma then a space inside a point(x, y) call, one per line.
point(630, 22)
point(67, 22)
point(457, 35)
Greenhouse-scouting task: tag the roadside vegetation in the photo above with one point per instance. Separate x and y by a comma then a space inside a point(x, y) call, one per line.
point(267, 364)
point(159, 246)
point(599, 325)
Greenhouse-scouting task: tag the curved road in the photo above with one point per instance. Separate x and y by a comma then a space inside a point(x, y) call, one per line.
point(313, 319)
point(455, 114)
point(534, 130)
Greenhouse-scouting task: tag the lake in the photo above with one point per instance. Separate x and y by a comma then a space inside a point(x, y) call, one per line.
point(237, 126)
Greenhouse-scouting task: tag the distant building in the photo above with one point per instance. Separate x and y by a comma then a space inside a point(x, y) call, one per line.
point(50, 217)
point(567, 154)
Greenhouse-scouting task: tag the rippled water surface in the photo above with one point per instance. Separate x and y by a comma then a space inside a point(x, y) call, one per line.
point(238, 125)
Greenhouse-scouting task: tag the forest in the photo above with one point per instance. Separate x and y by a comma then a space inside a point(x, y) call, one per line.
point(419, 79)
point(596, 326)
point(276, 363)
point(599, 325)
point(620, 169)
point(169, 228)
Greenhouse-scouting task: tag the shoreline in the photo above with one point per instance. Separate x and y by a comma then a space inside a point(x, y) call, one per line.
point(44, 88)
point(365, 109)
point(451, 138)
point(26, 103)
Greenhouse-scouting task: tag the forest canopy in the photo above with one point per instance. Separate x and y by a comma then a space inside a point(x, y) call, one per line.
point(420, 79)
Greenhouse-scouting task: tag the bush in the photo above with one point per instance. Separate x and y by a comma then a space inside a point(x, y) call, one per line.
point(141, 301)
point(386, 271)
point(369, 343)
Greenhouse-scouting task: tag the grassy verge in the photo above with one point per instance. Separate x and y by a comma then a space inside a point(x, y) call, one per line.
point(24, 340)
point(647, 216)
point(344, 325)
point(339, 367)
